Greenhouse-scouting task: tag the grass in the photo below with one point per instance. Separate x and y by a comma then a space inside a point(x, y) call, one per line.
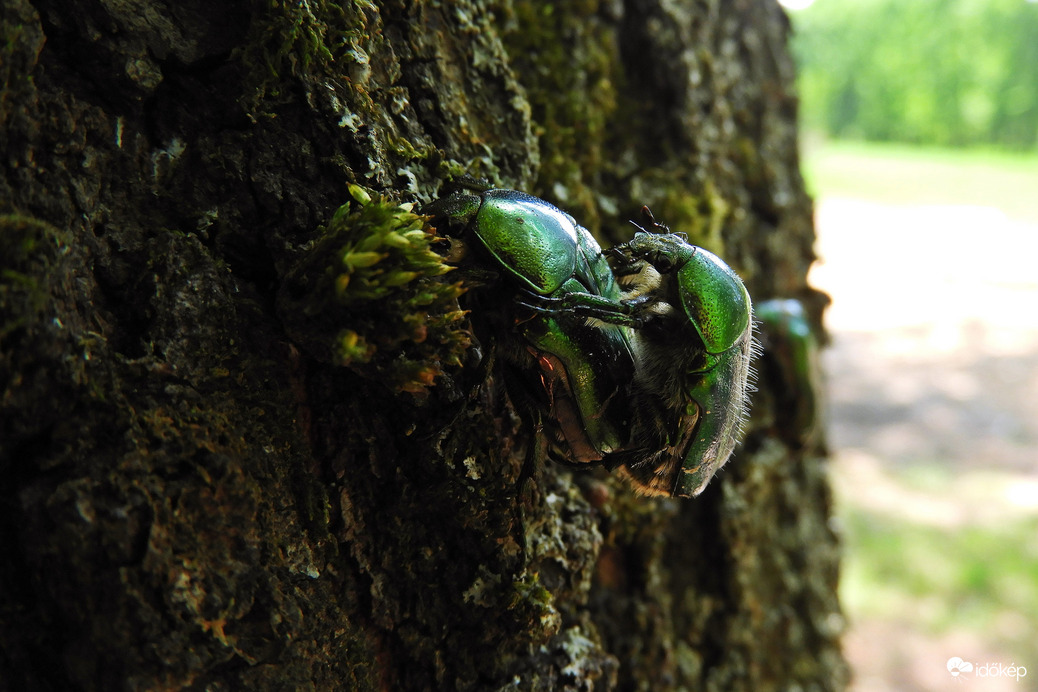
point(943, 579)
point(903, 174)
point(937, 571)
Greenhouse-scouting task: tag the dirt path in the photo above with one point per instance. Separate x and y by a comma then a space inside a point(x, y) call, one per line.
point(935, 326)
point(934, 362)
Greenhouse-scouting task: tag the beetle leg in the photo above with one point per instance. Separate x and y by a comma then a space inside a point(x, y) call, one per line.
point(634, 312)
point(583, 305)
point(634, 304)
point(457, 207)
point(622, 264)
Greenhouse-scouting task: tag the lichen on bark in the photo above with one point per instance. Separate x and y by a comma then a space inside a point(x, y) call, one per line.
point(195, 497)
point(368, 294)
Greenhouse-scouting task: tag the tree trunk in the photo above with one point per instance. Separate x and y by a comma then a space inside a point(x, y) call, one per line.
point(214, 477)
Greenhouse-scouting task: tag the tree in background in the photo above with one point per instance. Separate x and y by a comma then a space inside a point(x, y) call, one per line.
point(945, 72)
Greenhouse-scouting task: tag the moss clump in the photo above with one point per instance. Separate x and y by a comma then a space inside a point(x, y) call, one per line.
point(28, 249)
point(313, 41)
point(369, 295)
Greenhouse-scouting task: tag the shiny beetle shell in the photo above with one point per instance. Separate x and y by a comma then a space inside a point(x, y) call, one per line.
point(540, 251)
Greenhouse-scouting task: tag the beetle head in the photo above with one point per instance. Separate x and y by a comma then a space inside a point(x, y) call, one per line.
point(712, 296)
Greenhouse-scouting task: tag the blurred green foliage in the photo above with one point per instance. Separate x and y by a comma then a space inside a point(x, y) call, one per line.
point(945, 72)
point(979, 578)
point(892, 173)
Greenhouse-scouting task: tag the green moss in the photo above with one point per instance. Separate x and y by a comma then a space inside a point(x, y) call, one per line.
point(369, 295)
point(308, 39)
point(21, 40)
point(28, 248)
point(406, 149)
point(572, 88)
point(534, 605)
point(700, 217)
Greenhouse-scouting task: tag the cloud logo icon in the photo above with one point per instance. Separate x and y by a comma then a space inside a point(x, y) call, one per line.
point(956, 666)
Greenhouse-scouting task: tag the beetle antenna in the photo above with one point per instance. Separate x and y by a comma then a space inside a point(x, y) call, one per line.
point(657, 227)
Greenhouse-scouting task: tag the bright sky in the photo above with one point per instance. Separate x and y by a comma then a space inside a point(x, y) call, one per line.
point(798, 4)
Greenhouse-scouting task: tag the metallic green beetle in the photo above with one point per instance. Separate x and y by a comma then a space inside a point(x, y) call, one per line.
point(650, 377)
point(790, 368)
point(581, 370)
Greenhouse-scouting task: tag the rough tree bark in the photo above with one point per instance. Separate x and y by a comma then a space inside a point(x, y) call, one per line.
point(197, 494)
